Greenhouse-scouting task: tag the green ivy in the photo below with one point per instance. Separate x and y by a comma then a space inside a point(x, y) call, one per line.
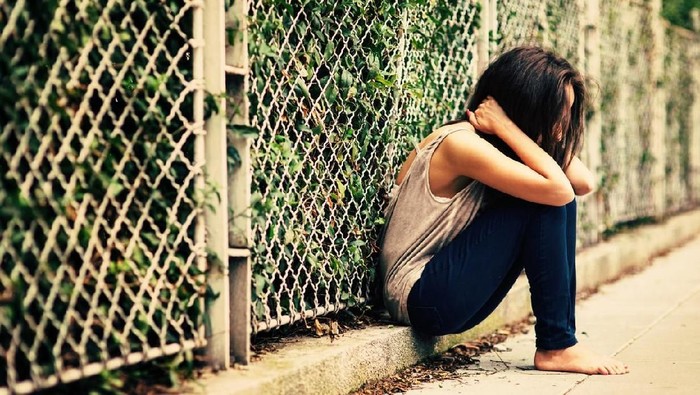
point(43, 96)
point(335, 81)
point(678, 12)
point(678, 79)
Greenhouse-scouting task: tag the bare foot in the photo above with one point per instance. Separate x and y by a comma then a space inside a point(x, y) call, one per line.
point(578, 359)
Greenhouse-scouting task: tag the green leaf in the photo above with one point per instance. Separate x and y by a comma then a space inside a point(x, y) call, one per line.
point(115, 187)
point(346, 79)
point(341, 190)
point(266, 50)
point(331, 94)
point(383, 81)
point(302, 88)
point(329, 51)
point(289, 237)
point(244, 130)
point(260, 283)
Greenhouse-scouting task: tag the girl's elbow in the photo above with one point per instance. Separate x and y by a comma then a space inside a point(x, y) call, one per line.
point(585, 187)
point(567, 198)
point(583, 190)
point(562, 196)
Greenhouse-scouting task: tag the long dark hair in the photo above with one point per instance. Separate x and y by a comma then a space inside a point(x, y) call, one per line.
point(529, 83)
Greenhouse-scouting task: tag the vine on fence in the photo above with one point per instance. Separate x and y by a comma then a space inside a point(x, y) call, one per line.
point(97, 193)
point(320, 89)
point(678, 79)
point(341, 91)
point(337, 90)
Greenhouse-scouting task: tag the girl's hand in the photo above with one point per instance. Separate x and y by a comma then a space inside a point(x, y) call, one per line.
point(489, 117)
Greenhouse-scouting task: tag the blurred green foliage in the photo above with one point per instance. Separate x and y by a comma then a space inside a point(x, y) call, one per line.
point(678, 11)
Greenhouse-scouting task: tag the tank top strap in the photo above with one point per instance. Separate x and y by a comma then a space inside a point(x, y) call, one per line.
point(431, 146)
point(416, 172)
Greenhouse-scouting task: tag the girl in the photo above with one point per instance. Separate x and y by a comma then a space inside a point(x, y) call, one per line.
point(484, 197)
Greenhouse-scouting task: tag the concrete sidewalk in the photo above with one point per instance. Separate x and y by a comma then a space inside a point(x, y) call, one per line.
point(307, 365)
point(650, 320)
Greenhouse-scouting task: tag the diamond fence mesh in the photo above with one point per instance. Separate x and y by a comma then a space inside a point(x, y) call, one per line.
point(629, 89)
point(339, 92)
point(322, 94)
point(437, 71)
point(551, 23)
point(520, 22)
point(102, 254)
point(100, 261)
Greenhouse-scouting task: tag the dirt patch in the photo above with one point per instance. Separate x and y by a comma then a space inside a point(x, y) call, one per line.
point(446, 366)
point(331, 326)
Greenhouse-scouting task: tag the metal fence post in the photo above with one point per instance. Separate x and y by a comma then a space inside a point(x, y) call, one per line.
point(492, 28)
point(239, 192)
point(544, 25)
point(695, 123)
point(591, 65)
point(484, 33)
point(658, 112)
point(216, 216)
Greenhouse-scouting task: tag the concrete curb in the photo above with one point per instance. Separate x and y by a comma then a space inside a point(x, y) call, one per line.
point(317, 366)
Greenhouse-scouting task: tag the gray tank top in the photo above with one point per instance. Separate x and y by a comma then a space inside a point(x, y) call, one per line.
point(419, 224)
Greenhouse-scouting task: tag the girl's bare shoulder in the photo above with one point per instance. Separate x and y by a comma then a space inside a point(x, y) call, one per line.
point(458, 128)
point(453, 129)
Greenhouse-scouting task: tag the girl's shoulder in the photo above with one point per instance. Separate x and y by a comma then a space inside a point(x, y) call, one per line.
point(441, 133)
point(445, 131)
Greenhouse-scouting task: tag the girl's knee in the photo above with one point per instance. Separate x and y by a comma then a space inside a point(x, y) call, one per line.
point(559, 213)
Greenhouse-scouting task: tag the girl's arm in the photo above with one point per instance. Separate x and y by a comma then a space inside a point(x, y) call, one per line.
point(538, 179)
point(581, 178)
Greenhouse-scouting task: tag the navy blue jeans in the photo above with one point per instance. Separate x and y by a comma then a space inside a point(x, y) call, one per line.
point(467, 279)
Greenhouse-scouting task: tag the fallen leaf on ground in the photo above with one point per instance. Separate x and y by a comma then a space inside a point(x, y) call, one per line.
point(321, 328)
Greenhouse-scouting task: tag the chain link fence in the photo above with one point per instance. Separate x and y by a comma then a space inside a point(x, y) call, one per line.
point(551, 23)
point(680, 80)
point(339, 93)
point(102, 252)
point(438, 70)
point(639, 73)
point(101, 259)
point(322, 95)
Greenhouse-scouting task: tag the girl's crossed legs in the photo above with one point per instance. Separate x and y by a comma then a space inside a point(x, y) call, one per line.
point(467, 279)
